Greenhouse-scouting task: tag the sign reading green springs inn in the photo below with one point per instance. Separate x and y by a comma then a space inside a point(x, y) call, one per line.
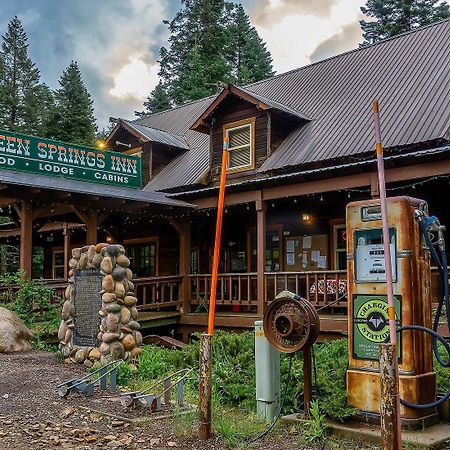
point(47, 157)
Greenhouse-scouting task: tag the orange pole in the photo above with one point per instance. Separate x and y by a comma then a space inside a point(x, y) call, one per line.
point(216, 258)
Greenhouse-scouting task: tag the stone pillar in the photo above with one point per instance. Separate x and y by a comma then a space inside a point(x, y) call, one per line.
point(26, 237)
point(261, 252)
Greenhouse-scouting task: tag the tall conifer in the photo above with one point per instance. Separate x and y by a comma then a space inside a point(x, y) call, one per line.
point(393, 17)
point(73, 119)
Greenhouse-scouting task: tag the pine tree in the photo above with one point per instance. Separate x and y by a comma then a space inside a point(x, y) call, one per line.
point(251, 61)
point(73, 118)
point(157, 101)
point(393, 17)
point(21, 107)
point(211, 41)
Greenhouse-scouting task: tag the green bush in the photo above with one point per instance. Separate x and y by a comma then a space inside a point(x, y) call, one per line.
point(33, 301)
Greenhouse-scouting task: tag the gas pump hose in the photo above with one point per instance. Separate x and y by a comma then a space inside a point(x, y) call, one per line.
point(441, 262)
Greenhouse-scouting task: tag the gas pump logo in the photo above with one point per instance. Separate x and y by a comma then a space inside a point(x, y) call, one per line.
point(371, 324)
point(372, 321)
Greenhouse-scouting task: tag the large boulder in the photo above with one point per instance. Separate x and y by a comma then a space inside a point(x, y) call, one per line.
point(14, 335)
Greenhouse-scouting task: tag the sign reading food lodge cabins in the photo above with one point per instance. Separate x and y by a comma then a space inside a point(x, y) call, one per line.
point(47, 157)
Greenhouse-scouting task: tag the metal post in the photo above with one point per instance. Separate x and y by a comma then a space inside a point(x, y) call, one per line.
point(204, 399)
point(387, 258)
point(307, 379)
point(389, 396)
point(167, 390)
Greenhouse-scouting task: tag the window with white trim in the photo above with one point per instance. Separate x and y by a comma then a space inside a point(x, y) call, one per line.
point(240, 149)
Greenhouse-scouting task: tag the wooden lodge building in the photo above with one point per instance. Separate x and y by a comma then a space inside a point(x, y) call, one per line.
point(301, 148)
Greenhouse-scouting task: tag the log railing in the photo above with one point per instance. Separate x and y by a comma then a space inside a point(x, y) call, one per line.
point(158, 292)
point(235, 289)
point(319, 287)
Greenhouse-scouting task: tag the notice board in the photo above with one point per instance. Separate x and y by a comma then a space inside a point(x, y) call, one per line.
point(303, 253)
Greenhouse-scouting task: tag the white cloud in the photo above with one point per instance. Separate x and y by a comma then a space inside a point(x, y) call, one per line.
point(135, 79)
point(295, 37)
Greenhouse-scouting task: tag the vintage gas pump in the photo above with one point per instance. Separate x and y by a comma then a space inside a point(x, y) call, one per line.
point(368, 307)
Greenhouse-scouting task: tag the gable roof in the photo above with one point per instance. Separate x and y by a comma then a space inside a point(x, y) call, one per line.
point(254, 98)
point(408, 74)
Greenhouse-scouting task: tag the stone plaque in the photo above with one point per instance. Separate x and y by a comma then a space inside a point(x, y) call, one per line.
point(87, 302)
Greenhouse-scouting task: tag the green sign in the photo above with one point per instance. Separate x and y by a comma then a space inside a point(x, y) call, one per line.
point(371, 324)
point(47, 157)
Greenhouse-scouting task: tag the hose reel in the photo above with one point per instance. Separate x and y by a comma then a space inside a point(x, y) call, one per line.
point(291, 323)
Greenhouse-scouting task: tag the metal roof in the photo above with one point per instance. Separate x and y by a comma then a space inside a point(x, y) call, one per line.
point(408, 74)
point(83, 187)
point(154, 135)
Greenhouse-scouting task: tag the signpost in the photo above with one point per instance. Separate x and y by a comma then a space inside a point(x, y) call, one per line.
point(40, 156)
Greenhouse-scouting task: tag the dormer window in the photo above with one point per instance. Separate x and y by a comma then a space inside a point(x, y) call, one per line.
point(241, 150)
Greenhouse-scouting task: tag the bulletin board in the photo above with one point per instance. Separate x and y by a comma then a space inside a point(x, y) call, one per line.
point(303, 253)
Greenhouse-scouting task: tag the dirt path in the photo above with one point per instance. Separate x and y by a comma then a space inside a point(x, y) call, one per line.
point(33, 417)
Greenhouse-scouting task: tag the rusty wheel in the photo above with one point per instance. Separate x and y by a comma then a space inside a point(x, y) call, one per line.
point(290, 325)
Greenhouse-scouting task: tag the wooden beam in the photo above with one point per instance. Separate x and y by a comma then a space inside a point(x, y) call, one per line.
point(26, 237)
point(184, 230)
point(260, 252)
point(66, 233)
point(49, 211)
point(83, 217)
point(91, 229)
point(18, 210)
point(230, 199)
point(102, 217)
point(10, 233)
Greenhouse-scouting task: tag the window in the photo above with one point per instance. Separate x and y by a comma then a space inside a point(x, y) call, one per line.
point(58, 264)
point(241, 145)
point(143, 258)
point(340, 246)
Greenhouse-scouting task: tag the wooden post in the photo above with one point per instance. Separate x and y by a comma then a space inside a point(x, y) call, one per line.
point(91, 229)
point(204, 398)
point(26, 237)
point(388, 398)
point(66, 234)
point(184, 231)
point(261, 253)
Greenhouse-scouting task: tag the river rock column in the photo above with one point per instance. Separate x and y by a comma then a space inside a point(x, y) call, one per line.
point(119, 327)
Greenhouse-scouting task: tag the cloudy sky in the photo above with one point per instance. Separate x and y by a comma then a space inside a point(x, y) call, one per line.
point(116, 42)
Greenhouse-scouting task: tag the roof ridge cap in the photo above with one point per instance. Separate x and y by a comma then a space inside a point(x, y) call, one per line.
point(297, 69)
point(181, 136)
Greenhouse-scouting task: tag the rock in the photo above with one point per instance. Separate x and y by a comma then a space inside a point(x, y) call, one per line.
point(71, 272)
point(112, 322)
point(98, 247)
point(110, 438)
point(106, 265)
point(109, 337)
point(65, 351)
point(123, 261)
point(128, 342)
point(62, 330)
point(108, 297)
point(136, 351)
point(134, 325)
point(67, 310)
point(108, 283)
point(130, 286)
point(68, 292)
point(100, 335)
point(96, 260)
point(69, 334)
point(117, 423)
point(129, 274)
point(134, 313)
point(79, 356)
point(88, 363)
point(94, 354)
point(126, 330)
point(76, 253)
point(138, 338)
point(84, 249)
point(112, 250)
point(125, 315)
point(117, 350)
point(119, 290)
point(113, 308)
point(90, 438)
point(91, 253)
point(104, 348)
point(130, 300)
point(83, 260)
point(73, 263)
point(119, 273)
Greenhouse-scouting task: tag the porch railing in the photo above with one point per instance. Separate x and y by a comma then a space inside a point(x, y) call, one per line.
point(319, 287)
point(232, 289)
point(158, 292)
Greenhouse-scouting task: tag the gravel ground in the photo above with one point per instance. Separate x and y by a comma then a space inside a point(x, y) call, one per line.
point(33, 417)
